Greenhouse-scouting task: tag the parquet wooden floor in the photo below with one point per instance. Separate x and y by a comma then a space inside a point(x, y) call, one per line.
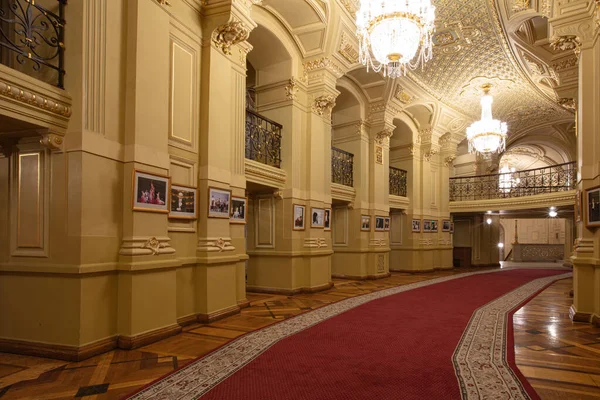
point(560, 358)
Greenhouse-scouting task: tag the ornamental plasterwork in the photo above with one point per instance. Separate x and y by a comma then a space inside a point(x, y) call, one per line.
point(568, 103)
point(347, 49)
point(291, 89)
point(520, 5)
point(323, 63)
point(230, 34)
point(383, 138)
point(154, 245)
point(448, 161)
point(430, 153)
point(52, 141)
point(566, 42)
point(454, 37)
point(34, 99)
point(564, 64)
point(490, 55)
point(323, 105)
point(425, 135)
point(402, 96)
point(351, 6)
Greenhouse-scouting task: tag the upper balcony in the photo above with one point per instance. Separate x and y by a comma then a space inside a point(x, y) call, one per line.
point(553, 185)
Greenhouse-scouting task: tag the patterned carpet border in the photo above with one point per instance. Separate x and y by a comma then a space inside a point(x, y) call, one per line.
point(199, 377)
point(480, 358)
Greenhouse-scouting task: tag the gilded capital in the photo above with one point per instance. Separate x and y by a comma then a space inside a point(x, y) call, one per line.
point(566, 42)
point(52, 141)
point(230, 34)
point(291, 89)
point(383, 137)
point(323, 105)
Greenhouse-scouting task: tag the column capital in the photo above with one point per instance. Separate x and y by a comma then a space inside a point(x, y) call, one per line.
point(575, 24)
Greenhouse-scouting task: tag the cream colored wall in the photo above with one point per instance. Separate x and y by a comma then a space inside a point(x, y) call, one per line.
point(533, 231)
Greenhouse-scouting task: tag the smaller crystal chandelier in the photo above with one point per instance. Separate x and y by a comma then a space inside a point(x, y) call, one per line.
point(391, 32)
point(487, 135)
point(506, 180)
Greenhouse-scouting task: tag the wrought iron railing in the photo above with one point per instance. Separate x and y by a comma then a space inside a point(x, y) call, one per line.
point(397, 182)
point(556, 178)
point(342, 165)
point(263, 139)
point(33, 36)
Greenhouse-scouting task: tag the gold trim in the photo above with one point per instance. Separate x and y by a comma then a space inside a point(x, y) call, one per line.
point(39, 214)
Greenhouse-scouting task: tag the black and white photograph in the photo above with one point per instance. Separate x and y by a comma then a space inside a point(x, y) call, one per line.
point(434, 225)
point(386, 225)
point(446, 225)
point(416, 225)
point(238, 210)
point(183, 202)
point(299, 211)
point(592, 200)
point(150, 192)
point(379, 223)
point(426, 225)
point(327, 221)
point(219, 201)
point(365, 222)
point(317, 218)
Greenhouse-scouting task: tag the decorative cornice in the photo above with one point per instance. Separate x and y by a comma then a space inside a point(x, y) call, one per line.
point(342, 192)
point(515, 203)
point(230, 34)
point(264, 174)
point(34, 99)
point(325, 64)
point(565, 63)
point(323, 105)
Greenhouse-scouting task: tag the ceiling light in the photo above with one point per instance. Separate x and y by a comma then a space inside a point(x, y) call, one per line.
point(506, 180)
point(552, 208)
point(489, 212)
point(489, 221)
point(390, 34)
point(552, 213)
point(500, 245)
point(487, 135)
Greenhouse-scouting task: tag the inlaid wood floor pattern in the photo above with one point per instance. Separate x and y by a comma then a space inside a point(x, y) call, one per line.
point(560, 358)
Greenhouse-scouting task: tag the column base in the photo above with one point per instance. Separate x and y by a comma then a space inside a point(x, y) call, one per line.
point(58, 351)
point(362, 277)
point(289, 292)
point(579, 316)
point(142, 339)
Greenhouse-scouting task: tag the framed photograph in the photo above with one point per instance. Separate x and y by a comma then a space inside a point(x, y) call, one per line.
point(317, 217)
point(327, 219)
point(426, 225)
point(451, 227)
point(150, 192)
point(592, 203)
point(239, 205)
point(578, 206)
point(365, 222)
point(386, 224)
point(446, 225)
point(416, 225)
point(299, 211)
point(184, 202)
point(379, 223)
point(219, 203)
point(434, 225)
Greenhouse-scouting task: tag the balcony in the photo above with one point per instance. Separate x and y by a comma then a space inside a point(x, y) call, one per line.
point(556, 178)
point(397, 182)
point(32, 39)
point(342, 165)
point(263, 139)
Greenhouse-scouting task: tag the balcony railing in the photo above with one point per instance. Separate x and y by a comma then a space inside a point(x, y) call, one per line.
point(397, 182)
point(556, 178)
point(263, 139)
point(342, 164)
point(33, 37)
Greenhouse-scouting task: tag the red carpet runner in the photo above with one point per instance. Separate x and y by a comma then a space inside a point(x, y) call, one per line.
point(408, 342)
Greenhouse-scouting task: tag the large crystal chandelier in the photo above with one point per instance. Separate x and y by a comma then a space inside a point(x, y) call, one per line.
point(390, 33)
point(486, 135)
point(506, 179)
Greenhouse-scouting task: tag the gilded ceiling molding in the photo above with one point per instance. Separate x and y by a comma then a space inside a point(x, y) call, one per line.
point(425, 135)
point(520, 5)
point(34, 99)
point(291, 89)
point(323, 63)
point(564, 64)
point(566, 42)
point(347, 49)
point(52, 141)
point(323, 105)
point(351, 6)
point(402, 96)
point(229, 34)
point(455, 37)
point(568, 103)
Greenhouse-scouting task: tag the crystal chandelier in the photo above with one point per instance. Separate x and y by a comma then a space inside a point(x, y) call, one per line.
point(390, 33)
point(506, 180)
point(486, 135)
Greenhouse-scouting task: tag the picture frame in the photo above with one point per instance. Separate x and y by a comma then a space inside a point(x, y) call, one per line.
point(592, 207)
point(578, 210)
point(451, 227)
point(365, 223)
point(219, 203)
point(183, 202)
point(149, 192)
point(379, 223)
point(298, 223)
point(446, 225)
point(317, 217)
point(327, 219)
point(426, 225)
point(416, 226)
point(239, 210)
point(387, 224)
point(434, 225)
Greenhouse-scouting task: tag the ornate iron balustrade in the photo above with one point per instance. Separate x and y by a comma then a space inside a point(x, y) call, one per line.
point(33, 34)
point(556, 178)
point(263, 139)
point(397, 182)
point(342, 166)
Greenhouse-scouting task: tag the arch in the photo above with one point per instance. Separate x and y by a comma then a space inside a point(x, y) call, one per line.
point(406, 131)
point(350, 100)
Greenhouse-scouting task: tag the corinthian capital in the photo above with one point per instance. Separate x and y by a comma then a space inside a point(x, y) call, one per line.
point(323, 105)
point(230, 34)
